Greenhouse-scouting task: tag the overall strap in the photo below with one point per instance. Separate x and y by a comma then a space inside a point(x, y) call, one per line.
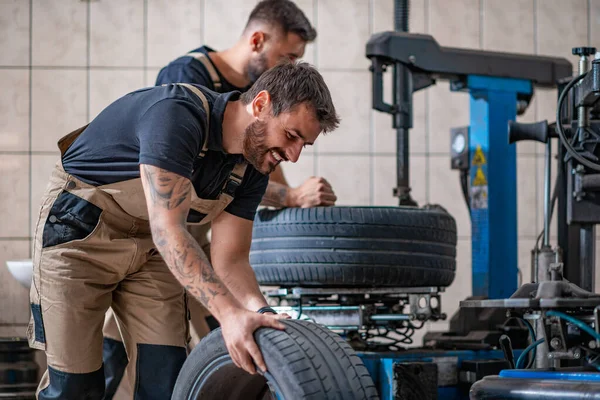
point(235, 179)
point(202, 97)
point(212, 71)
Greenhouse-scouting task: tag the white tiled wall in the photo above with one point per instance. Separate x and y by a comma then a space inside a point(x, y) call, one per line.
point(14, 111)
point(173, 31)
point(63, 61)
point(59, 105)
point(59, 33)
point(117, 33)
point(15, 32)
point(343, 28)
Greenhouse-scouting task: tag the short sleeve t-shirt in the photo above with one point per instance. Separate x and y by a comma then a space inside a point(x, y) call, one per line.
point(164, 126)
point(187, 69)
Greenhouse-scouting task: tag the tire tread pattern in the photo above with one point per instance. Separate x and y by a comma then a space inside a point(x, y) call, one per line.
point(307, 360)
point(354, 246)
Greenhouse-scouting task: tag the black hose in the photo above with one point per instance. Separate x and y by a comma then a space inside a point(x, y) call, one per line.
point(401, 11)
point(561, 132)
point(464, 185)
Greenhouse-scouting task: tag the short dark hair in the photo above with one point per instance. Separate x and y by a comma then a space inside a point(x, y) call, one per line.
point(293, 83)
point(286, 15)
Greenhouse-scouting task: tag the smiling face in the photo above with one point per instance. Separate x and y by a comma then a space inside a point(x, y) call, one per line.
point(270, 140)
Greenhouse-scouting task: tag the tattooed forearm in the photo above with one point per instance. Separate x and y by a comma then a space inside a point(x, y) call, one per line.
point(189, 265)
point(168, 200)
point(199, 294)
point(275, 195)
point(167, 189)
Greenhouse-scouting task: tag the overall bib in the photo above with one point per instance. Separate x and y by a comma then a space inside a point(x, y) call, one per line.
point(115, 358)
point(93, 250)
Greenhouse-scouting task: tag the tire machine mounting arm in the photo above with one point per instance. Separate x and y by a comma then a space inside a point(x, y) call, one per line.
point(500, 85)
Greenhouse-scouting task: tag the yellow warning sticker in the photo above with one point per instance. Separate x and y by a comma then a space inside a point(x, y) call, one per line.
point(478, 158)
point(479, 179)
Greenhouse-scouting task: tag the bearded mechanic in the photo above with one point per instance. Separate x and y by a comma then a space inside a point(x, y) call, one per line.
point(116, 209)
point(275, 30)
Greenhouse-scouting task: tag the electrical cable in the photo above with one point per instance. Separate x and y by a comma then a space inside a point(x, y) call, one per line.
point(581, 325)
point(527, 350)
point(531, 334)
point(464, 185)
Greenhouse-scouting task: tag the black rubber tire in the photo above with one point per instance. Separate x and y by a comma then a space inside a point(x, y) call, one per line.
point(306, 361)
point(354, 246)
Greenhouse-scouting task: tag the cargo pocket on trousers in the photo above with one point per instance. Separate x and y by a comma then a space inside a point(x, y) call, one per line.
point(70, 218)
point(36, 334)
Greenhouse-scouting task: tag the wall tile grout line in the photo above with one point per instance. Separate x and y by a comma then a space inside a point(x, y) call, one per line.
point(30, 157)
point(26, 152)
point(427, 119)
point(15, 67)
point(371, 122)
point(481, 18)
point(535, 27)
point(145, 41)
point(77, 68)
point(589, 22)
point(536, 176)
point(202, 21)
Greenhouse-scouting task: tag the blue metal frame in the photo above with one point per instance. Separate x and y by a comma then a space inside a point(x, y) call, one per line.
point(554, 375)
point(493, 197)
point(380, 367)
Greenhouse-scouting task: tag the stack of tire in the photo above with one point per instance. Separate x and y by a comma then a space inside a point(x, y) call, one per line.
point(18, 370)
point(358, 247)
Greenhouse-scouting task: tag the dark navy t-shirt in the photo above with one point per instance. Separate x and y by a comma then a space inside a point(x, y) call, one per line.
point(164, 126)
point(187, 69)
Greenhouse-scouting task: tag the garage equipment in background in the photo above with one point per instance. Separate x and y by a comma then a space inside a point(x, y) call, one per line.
point(374, 274)
point(566, 315)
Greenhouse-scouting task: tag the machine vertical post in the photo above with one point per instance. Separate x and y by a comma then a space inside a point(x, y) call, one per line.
point(493, 185)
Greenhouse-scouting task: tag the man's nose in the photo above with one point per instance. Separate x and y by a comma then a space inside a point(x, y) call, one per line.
point(293, 152)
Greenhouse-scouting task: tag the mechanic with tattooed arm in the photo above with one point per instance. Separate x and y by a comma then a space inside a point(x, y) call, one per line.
point(112, 226)
point(275, 30)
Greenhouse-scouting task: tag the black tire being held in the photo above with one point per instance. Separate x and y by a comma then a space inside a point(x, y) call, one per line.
point(304, 362)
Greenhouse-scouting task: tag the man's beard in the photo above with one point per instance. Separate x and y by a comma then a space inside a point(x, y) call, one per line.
point(257, 67)
point(254, 148)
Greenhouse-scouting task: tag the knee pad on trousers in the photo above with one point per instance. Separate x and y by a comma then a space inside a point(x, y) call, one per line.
point(115, 362)
point(67, 386)
point(157, 370)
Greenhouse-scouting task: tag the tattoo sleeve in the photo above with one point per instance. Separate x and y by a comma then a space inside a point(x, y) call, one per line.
point(168, 197)
point(275, 195)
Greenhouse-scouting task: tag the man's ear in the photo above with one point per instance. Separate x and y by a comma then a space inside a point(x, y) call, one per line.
point(261, 103)
point(257, 41)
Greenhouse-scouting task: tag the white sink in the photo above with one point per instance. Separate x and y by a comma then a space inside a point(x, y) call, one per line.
point(21, 270)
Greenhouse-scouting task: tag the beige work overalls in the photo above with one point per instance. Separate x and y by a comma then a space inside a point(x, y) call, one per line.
point(116, 265)
point(197, 312)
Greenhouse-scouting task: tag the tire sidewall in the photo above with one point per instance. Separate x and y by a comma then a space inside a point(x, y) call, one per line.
point(212, 352)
